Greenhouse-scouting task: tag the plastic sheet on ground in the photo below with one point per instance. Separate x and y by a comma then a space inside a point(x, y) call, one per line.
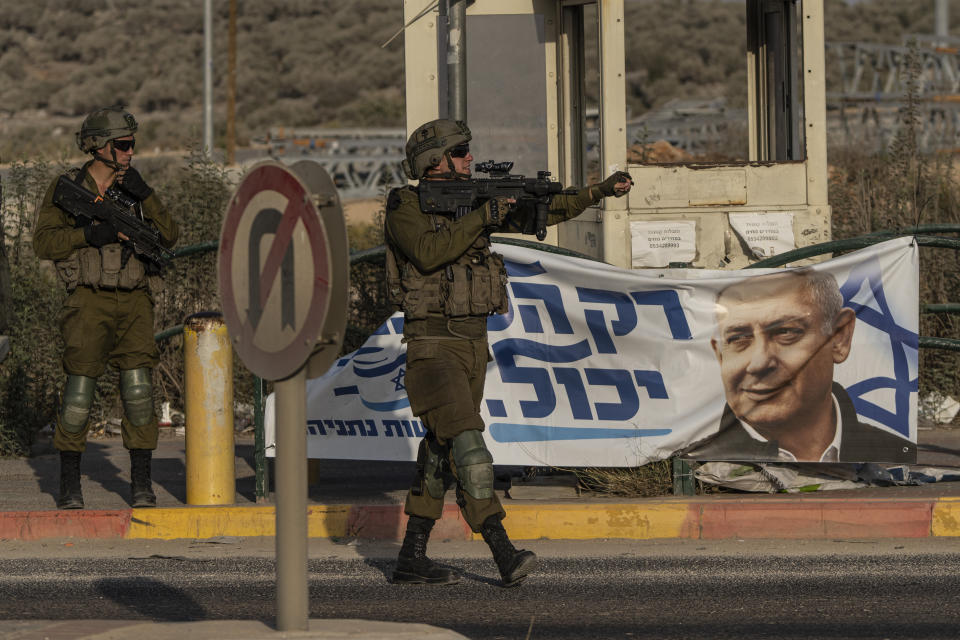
point(796, 478)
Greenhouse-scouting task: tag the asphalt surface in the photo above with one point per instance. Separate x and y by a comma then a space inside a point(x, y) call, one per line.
point(598, 589)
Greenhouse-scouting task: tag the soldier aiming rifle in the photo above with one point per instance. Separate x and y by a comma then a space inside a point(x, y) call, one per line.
point(442, 273)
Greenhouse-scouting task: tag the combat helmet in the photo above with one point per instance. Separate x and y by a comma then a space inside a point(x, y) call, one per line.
point(104, 125)
point(430, 142)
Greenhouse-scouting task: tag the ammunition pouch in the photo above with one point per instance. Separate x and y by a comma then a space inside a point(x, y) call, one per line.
point(110, 267)
point(473, 285)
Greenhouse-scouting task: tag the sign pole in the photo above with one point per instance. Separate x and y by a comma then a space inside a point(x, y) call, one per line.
point(279, 273)
point(291, 498)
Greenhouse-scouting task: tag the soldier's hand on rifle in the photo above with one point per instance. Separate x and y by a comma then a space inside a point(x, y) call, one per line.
point(617, 184)
point(98, 235)
point(133, 183)
point(496, 209)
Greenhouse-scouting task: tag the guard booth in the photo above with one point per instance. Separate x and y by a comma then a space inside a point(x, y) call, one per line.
point(538, 70)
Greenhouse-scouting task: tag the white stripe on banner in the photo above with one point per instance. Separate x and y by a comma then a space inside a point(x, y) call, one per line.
point(599, 366)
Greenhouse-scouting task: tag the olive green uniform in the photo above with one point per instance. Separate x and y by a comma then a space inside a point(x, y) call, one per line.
point(106, 318)
point(443, 275)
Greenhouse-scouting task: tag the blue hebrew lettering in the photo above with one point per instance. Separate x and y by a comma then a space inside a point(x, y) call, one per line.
point(552, 300)
point(652, 381)
point(356, 426)
point(371, 428)
point(521, 270)
point(530, 319)
point(315, 428)
point(505, 353)
point(620, 380)
point(418, 429)
point(904, 348)
point(514, 270)
point(391, 428)
point(624, 323)
point(576, 392)
point(384, 330)
point(670, 301)
point(496, 408)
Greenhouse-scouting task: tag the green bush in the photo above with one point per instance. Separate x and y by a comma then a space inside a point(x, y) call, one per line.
point(30, 374)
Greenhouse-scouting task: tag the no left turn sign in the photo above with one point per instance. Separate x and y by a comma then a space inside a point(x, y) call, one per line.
point(274, 271)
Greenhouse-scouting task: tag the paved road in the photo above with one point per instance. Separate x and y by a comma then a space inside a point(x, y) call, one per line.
point(607, 589)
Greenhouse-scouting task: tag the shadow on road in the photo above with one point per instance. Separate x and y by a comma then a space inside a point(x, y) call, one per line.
point(150, 598)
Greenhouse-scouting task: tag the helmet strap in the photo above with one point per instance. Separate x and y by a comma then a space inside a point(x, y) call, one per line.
point(113, 164)
point(452, 174)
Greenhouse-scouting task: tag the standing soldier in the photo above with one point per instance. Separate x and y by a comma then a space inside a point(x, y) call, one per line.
point(441, 272)
point(108, 316)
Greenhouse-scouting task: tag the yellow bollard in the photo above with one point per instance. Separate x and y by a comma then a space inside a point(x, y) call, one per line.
point(208, 399)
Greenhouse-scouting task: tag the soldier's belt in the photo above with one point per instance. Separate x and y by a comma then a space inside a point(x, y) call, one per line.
point(470, 328)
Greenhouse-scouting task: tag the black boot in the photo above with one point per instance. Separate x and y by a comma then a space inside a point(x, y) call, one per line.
point(140, 485)
point(413, 565)
point(514, 565)
point(71, 497)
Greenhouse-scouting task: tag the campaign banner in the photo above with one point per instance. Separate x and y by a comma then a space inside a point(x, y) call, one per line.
point(594, 365)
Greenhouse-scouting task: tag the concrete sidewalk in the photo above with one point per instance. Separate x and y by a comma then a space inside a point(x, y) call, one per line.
point(325, 629)
point(351, 500)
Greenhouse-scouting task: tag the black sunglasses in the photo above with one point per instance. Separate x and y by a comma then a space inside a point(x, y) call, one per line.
point(460, 151)
point(124, 145)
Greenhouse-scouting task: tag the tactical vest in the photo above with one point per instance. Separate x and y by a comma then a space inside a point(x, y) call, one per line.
point(474, 285)
point(112, 266)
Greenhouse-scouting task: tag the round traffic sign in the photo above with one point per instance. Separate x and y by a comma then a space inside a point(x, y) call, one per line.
point(274, 271)
point(325, 196)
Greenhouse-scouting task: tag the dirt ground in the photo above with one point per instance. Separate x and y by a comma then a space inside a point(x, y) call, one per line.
point(362, 211)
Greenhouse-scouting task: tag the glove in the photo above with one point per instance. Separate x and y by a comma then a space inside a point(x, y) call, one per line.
point(606, 188)
point(495, 210)
point(132, 182)
point(98, 235)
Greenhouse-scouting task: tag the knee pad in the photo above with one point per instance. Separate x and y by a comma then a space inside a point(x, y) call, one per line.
point(77, 399)
point(136, 391)
point(474, 464)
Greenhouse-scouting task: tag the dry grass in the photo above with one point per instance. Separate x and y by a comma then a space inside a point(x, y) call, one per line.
point(653, 479)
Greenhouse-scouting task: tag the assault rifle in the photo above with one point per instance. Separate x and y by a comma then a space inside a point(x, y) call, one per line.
point(80, 202)
point(461, 196)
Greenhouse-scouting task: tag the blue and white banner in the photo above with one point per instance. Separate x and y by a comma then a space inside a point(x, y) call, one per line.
point(599, 366)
